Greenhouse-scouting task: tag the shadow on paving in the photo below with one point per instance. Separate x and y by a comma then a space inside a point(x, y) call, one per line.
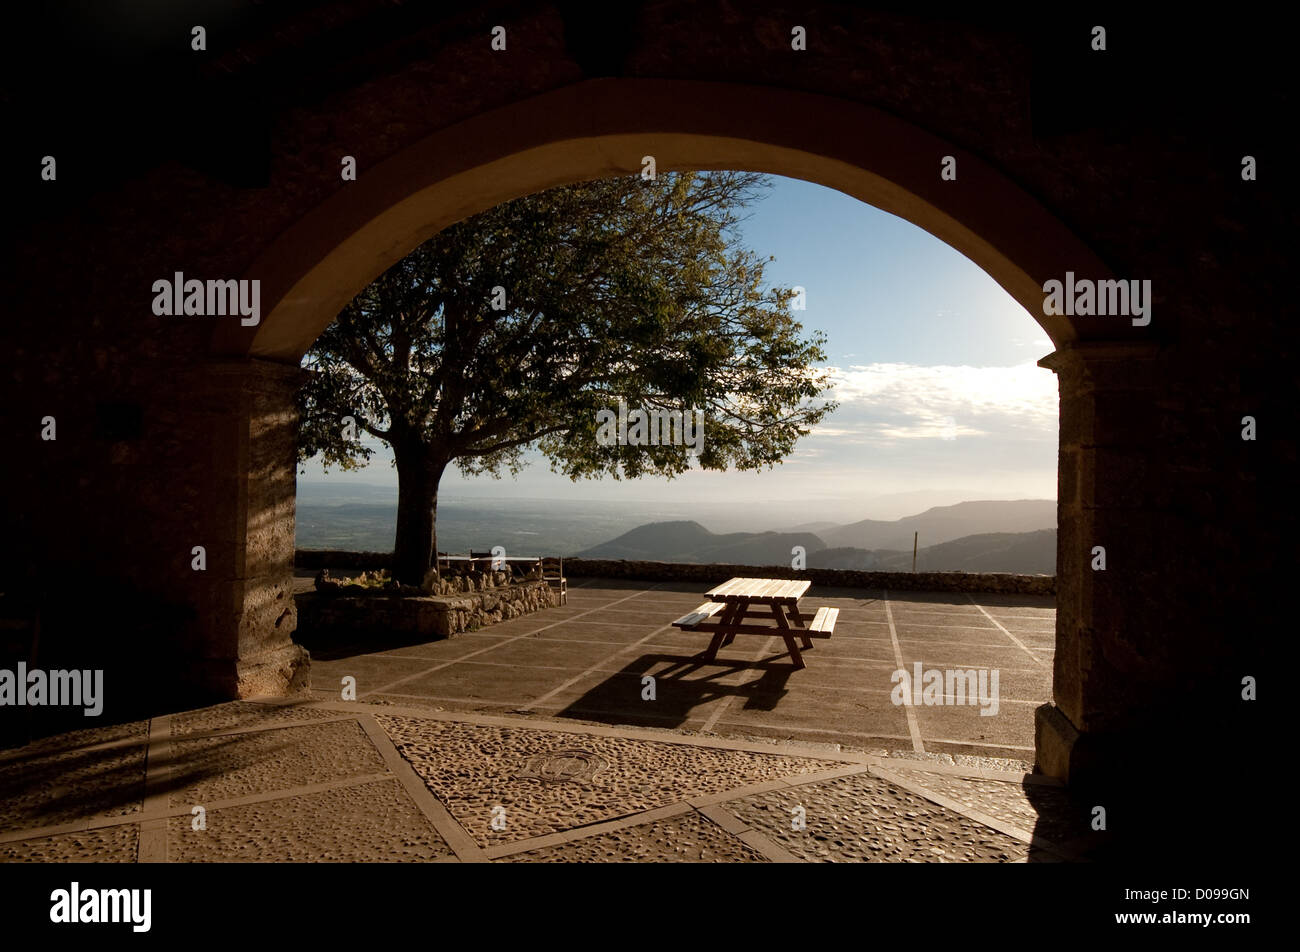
point(681, 687)
point(70, 778)
point(336, 645)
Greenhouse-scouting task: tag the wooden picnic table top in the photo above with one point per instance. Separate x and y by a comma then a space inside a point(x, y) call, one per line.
point(764, 591)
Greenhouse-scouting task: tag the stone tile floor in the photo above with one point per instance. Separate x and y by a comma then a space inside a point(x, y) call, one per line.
point(356, 781)
point(517, 744)
point(588, 660)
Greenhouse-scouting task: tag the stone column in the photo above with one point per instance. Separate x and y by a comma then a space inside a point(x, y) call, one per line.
point(1153, 652)
point(1106, 396)
point(1148, 649)
point(244, 510)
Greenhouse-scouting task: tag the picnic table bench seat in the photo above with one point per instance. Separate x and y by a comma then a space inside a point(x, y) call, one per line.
point(705, 611)
point(823, 623)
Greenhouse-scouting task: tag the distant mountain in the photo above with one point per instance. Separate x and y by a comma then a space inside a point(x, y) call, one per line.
point(859, 560)
point(691, 542)
point(1024, 553)
point(813, 527)
point(1029, 553)
point(944, 524)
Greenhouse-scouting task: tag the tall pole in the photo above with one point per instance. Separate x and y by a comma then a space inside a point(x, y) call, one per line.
point(914, 537)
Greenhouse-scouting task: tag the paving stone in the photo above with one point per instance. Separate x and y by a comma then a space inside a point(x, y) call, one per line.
point(935, 653)
point(60, 780)
point(235, 715)
point(474, 681)
point(110, 844)
point(1011, 726)
point(1009, 764)
point(236, 765)
point(826, 714)
point(537, 652)
point(851, 651)
point(862, 818)
point(615, 698)
point(85, 737)
point(473, 769)
point(689, 838)
point(1042, 809)
point(367, 822)
point(449, 649)
point(590, 631)
point(435, 703)
point(859, 678)
point(370, 672)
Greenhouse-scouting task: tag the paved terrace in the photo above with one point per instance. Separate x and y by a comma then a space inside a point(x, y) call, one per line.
point(430, 765)
point(587, 659)
point(328, 781)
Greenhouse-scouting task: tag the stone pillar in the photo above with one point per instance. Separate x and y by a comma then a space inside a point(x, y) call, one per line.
point(245, 520)
point(1148, 649)
point(1104, 638)
point(1152, 651)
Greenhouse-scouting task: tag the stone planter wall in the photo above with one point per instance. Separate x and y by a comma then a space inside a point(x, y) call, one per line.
point(417, 616)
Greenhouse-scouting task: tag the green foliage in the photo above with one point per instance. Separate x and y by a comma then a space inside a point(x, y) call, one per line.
point(614, 288)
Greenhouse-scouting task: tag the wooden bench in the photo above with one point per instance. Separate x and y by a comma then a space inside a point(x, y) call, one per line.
point(823, 623)
point(704, 612)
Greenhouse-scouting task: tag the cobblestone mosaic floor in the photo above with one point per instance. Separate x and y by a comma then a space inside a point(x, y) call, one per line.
point(314, 780)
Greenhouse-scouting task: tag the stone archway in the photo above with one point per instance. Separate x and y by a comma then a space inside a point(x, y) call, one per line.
point(170, 438)
point(605, 127)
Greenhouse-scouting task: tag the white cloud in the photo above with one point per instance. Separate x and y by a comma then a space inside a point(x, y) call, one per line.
point(896, 401)
point(1038, 343)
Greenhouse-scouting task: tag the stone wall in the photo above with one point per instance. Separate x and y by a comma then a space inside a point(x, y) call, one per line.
point(323, 614)
point(456, 581)
point(459, 583)
point(838, 578)
point(712, 573)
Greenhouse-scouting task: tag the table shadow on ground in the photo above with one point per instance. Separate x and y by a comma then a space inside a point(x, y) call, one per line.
point(682, 687)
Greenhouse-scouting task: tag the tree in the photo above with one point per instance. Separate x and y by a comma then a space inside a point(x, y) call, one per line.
point(514, 329)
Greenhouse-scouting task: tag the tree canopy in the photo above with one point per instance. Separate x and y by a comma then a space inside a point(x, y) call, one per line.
point(516, 327)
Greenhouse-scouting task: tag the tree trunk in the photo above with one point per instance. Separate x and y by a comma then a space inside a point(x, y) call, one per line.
point(417, 506)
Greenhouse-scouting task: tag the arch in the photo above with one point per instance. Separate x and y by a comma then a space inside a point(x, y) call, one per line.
point(604, 127)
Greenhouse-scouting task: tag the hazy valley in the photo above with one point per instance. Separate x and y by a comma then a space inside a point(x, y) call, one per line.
point(978, 536)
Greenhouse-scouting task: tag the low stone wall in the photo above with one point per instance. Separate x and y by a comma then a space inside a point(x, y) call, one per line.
point(839, 578)
point(993, 582)
point(460, 583)
point(325, 614)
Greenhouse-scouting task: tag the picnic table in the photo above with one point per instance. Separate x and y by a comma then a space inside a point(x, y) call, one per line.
point(738, 600)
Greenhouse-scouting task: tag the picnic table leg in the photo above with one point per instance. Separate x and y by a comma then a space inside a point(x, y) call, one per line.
point(737, 617)
point(793, 648)
point(787, 633)
point(797, 618)
point(729, 618)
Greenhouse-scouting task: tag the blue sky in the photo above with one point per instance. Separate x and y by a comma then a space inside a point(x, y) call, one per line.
point(935, 371)
point(883, 290)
